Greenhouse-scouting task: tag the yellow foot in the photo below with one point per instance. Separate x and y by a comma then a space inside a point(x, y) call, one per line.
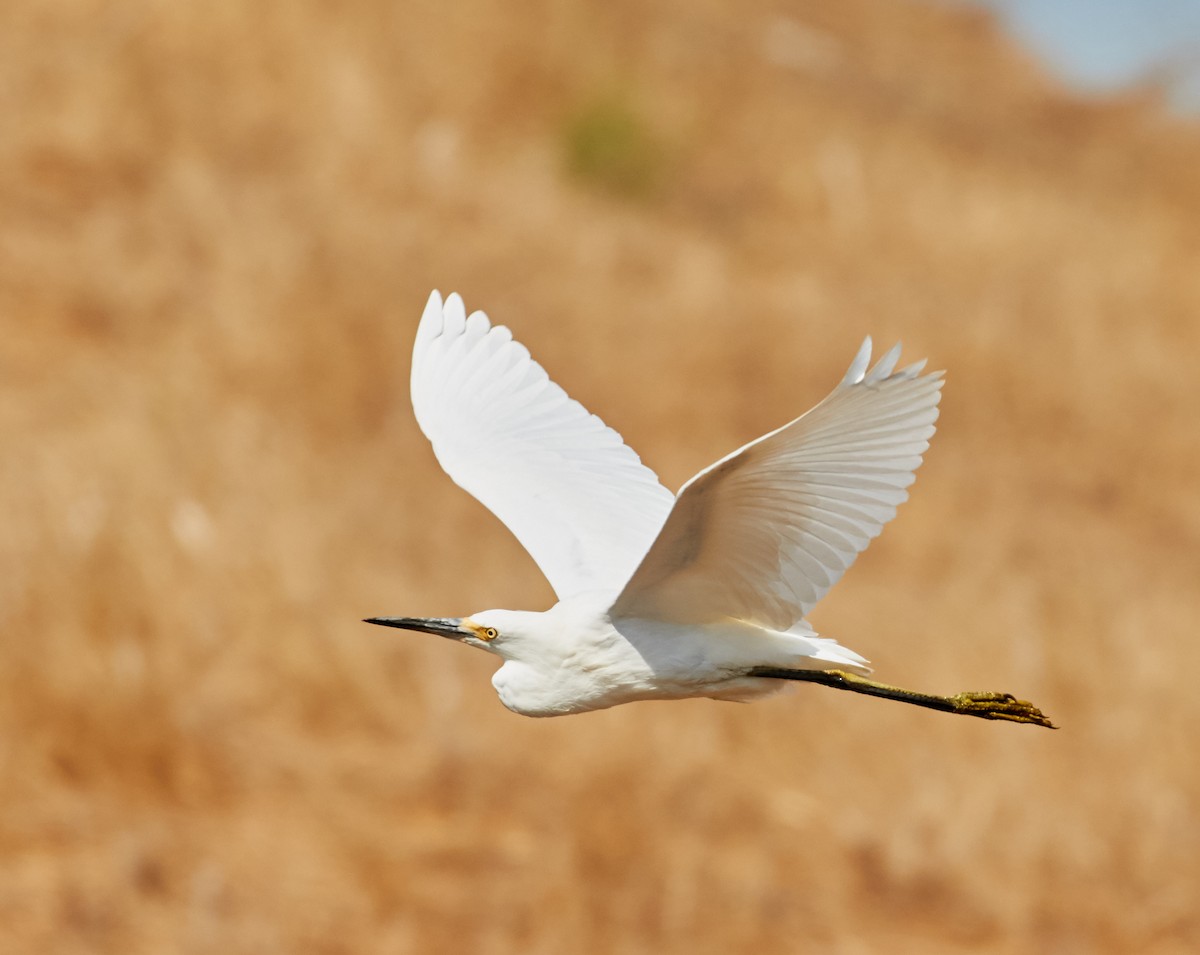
point(999, 706)
point(987, 706)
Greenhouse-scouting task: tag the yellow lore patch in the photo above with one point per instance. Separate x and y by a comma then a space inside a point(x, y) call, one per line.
point(483, 633)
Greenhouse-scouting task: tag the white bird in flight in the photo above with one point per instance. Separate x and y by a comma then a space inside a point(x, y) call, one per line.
point(662, 596)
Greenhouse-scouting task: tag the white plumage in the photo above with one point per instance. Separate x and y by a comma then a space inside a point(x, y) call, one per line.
point(662, 596)
point(574, 494)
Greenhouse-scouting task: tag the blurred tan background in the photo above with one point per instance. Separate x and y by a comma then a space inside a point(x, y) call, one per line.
point(218, 225)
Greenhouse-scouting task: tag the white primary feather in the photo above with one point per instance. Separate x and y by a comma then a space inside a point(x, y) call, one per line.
point(571, 491)
point(762, 534)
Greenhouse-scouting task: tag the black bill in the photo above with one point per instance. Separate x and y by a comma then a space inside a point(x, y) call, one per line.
point(449, 627)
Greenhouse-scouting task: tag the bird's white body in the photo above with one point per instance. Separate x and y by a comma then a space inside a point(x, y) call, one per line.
point(661, 596)
point(576, 657)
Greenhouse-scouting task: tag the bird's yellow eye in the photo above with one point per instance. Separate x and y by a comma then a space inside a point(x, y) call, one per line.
point(489, 633)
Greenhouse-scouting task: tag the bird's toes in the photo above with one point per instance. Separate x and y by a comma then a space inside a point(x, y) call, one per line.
point(1000, 706)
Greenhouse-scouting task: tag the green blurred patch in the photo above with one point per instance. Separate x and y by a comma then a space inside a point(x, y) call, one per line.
point(609, 145)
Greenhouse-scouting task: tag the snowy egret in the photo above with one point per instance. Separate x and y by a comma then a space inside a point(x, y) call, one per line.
point(702, 594)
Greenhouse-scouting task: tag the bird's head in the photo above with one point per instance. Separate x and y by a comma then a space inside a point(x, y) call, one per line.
point(502, 632)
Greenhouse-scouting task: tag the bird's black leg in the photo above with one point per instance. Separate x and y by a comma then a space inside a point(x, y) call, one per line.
point(988, 706)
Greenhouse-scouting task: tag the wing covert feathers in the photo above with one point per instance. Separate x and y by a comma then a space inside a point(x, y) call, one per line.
point(571, 491)
point(762, 534)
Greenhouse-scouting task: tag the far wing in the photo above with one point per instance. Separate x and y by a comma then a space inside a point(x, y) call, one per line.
point(765, 532)
point(577, 498)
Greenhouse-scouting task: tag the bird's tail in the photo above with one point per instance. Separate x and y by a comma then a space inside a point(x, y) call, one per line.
point(829, 651)
point(823, 653)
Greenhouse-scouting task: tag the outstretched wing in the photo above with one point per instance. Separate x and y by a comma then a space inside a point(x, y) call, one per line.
point(765, 532)
point(574, 494)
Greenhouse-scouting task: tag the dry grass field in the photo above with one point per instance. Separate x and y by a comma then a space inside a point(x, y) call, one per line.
point(218, 225)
